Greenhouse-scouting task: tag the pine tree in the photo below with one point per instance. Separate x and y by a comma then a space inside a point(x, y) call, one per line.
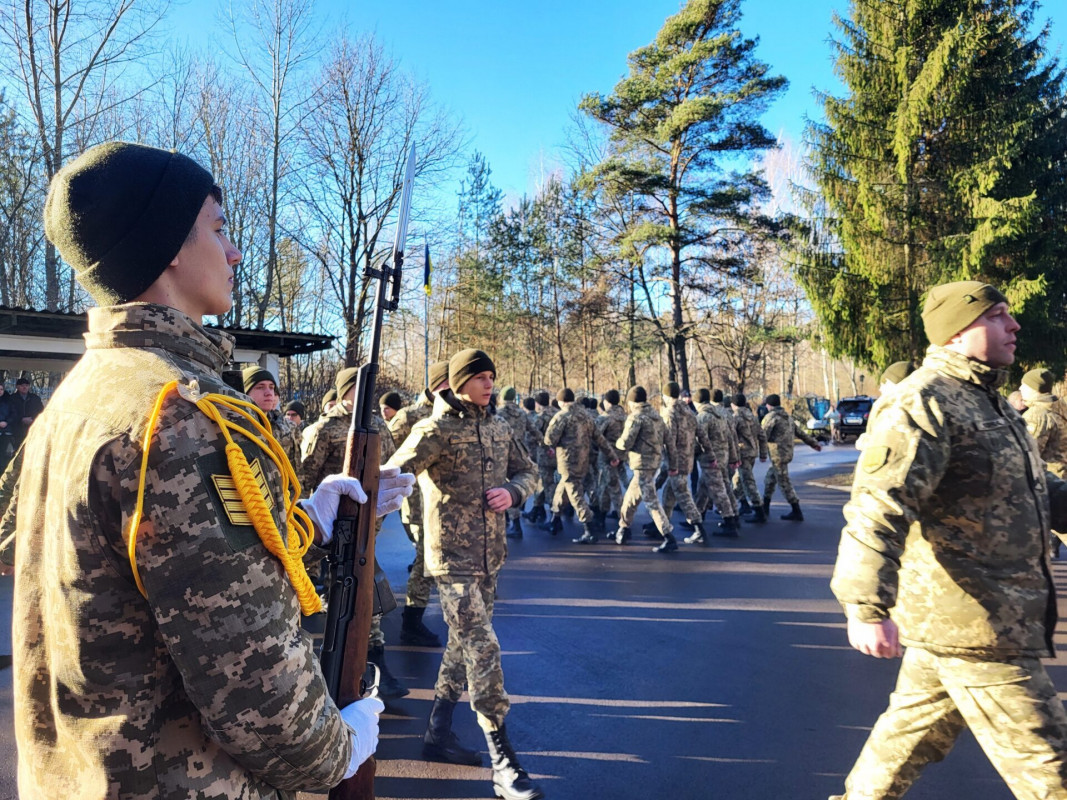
point(686, 114)
point(944, 160)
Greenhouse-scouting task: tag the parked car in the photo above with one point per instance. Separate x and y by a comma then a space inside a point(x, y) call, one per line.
point(818, 424)
point(854, 412)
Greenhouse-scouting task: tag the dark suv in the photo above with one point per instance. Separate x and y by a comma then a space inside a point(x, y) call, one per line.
point(853, 413)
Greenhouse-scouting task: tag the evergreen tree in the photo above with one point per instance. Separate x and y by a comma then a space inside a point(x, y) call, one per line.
point(944, 160)
point(687, 112)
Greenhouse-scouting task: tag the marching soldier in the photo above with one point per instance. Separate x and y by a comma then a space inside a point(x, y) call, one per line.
point(643, 438)
point(682, 428)
point(157, 639)
point(412, 629)
point(944, 552)
point(545, 458)
point(1046, 420)
point(751, 441)
point(781, 429)
point(523, 428)
point(572, 433)
point(471, 469)
point(723, 449)
point(611, 478)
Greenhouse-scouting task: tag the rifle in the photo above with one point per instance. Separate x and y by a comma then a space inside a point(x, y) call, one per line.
point(350, 603)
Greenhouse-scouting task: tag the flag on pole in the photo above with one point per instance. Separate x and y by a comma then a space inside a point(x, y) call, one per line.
point(427, 268)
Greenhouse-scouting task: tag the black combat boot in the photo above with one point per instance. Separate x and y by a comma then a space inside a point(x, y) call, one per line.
point(440, 743)
point(599, 523)
point(568, 512)
point(554, 525)
point(622, 535)
point(587, 537)
point(795, 515)
point(767, 507)
point(743, 507)
point(389, 688)
point(669, 545)
point(535, 514)
point(510, 781)
point(757, 515)
point(728, 528)
point(515, 528)
point(413, 631)
point(612, 515)
point(651, 531)
point(700, 536)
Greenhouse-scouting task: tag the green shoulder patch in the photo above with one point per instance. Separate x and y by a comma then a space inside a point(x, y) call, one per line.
point(233, 520)
point(874, 458)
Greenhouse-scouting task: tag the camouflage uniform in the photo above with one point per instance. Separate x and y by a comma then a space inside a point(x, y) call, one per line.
point(546, 459)
point(611, 479)
point(419, 582)
point(721, 449)
point(572, 432)
point(1046, 420)
point(208, 688)
point(520, 427)
point(781, 429)
point(643, 437)
point(288, 436)
point(682, 427)
point(945, 532)
point(458, 453)
point(751, 441)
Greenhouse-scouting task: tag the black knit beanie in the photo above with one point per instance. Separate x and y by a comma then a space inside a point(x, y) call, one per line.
point(772, 400)
point(391, 400)
point(565, 395)
point(672, 389)
point(739, 400)
point(612, 396)
point(465, 364)
point(717, 397)
point(297, 406)
point(250, 376)
point(120, 212)
point(508, 395)
point(637, 394)
point(703, 395)
point(542, 398)
point(528, 403)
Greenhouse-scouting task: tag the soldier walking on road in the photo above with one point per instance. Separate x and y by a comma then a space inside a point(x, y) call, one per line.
point(751, 441)
point(572, 434)
point(471, 469)
point(523, 428)
point(1046, 420)
point(944, 552)
point(643, 438)
point(611, 478)
point(781, 429)
point(723, 448)
point(545, 458)
point(682, 428)
point(413, 630)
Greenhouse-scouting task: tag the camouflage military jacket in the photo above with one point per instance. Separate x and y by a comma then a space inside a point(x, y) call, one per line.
point(324, 446)
point(288, 436)
point(517, 419)
point(721, 447)
point(458, 454)
point(401, 424)
point(682, 429)
point(611, 425)
point(208, 688)
point(751, 440)
point(781, 430)
point(544, 456)
point(1046, 420)
point(573, 432)
point(948, 524)
point(643, 437)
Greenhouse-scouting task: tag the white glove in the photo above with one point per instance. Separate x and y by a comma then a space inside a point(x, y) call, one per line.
point(393, 487)
point(361, 717)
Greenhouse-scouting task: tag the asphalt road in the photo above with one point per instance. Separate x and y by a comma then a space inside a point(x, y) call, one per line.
point(719, 672)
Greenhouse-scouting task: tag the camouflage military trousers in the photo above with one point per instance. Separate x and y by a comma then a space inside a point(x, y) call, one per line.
point(419, 583)
point(472, 655)
point(676, 492)
point(745, 482)
point(1011, 708)
point(548, 485)
point(570, 488)
point(642, 489)
point(779, 474)
point(712, 489)
point(609, 488)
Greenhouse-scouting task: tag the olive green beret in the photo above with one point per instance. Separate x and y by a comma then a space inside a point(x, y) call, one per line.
point(951, 307)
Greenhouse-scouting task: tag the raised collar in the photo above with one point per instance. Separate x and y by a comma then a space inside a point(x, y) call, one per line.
point(955, 365)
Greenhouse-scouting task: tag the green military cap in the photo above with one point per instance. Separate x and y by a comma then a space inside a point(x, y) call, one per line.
point(465, 364)
point(897, 372)
point(250, 376)
point(1040, 380)
point(438, 373)
point(951, 307)
point(346, 379)
point(120, 212)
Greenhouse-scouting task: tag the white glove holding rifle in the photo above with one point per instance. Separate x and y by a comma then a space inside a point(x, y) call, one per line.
point(393, 487)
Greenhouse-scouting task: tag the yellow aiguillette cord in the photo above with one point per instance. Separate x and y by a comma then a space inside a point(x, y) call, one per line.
point(290, 551)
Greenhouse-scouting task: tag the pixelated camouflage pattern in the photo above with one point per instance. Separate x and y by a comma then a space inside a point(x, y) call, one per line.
point(723, 451)
point(288, 436)
point(544, 457)
point(324, 445)
point(472, 654)
point(8, 505)
point(781, 431)
point(681, 426)
point(458, 454)
point(533, 433)
point(745, 485)
point(712, 489)
point(1012, 709)
point(778, 476)
point(642, 489)
point(713, 424)
point(523, 427)
point(420, 583)
point(208, 688)
point(949, 516)
point(751, 440)
point(610, 480)
point(643, 438)
point(1046, 419)
point(573, 433)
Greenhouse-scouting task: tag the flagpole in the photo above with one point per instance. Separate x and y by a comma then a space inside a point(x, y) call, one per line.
point(426, 319)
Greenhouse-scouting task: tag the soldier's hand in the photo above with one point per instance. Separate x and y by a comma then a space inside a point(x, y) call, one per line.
point(878, 639)
point(498, 499)
point(361, 717)
point(393, 487)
